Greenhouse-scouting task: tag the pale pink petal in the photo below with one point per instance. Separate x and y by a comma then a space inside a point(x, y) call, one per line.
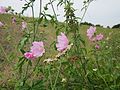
point(91, 31)
point(99, 37)
point(62, 42)
point(35, 43)
point(37, 49)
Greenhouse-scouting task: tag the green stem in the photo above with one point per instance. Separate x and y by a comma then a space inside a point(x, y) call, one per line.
point(50, 77)
point(83, 66)
point(40, 10)
point(32, 71)
point(84, 12)
point(35, 67)
point(53, 10)
point(77, 70)
point(57, 76)
point(24, 80)
point(26, 1)
point(105, 82)
point(34, 32)
point(97, 62)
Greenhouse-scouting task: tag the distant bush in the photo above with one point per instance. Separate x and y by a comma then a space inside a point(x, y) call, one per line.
point(116, 26)
point(98, 25)
point(87, 23)
point(108, 27)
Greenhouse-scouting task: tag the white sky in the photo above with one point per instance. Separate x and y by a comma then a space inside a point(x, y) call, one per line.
point(104, 12)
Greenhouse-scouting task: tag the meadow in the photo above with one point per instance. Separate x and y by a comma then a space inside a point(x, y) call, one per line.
point(45, 54)
point(11, 35)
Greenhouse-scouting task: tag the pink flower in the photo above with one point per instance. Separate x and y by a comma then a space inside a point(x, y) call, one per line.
point(91, 31)
point(97, 46)
point(13, 20)
point(37, 49)
point(2, 10)
point(1, 24)
point(62, 42)
point(99, 37)
point(24, 25)
point(29, 55)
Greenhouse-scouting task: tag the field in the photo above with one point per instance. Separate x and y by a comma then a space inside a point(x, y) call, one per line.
point(11, 34)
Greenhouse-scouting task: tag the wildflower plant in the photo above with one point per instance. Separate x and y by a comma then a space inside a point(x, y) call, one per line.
point(71, 66)
point(66, 48)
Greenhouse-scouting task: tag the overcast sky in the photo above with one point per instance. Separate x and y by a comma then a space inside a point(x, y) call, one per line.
point(104, 12)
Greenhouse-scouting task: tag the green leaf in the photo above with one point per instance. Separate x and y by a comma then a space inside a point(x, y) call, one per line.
point(20, 64)
point(40, 20)
point(30, 63)
point(22, 51)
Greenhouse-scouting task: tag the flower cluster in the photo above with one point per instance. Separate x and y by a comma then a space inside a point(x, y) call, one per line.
point(37, 50)
point(93, 37)
point(91, 34)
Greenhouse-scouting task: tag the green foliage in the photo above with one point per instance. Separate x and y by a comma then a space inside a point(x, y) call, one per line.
point(83, 67)
point(114, 44)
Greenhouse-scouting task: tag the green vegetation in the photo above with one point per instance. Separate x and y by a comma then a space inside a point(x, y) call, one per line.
point(108, 78)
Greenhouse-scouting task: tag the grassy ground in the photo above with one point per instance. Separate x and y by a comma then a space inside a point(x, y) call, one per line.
point(12, 33)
